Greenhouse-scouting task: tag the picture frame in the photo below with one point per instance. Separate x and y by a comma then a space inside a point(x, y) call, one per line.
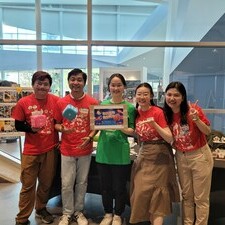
point(107, 117)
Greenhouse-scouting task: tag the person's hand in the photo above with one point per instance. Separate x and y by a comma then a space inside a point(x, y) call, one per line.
point(67, 130)
point(37, 129)
point(86, 141)
point(148, 120)
point(193, 112)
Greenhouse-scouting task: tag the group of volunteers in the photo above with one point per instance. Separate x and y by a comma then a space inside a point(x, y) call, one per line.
point(171, 144)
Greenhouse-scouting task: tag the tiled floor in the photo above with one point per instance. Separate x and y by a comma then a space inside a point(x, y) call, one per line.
point(9, 194)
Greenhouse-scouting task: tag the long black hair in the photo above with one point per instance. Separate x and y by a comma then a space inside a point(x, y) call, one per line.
point(184, 104)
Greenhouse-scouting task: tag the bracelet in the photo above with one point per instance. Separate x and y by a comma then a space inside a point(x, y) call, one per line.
point(91, 138)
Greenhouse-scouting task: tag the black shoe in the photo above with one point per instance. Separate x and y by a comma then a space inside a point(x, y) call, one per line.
point(45, 216)
point(24, 223)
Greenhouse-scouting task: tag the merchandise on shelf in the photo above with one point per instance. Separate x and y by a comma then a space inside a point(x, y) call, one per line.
point(13, 94)
point(8, 99)
point(6, 109)
point(7, 125)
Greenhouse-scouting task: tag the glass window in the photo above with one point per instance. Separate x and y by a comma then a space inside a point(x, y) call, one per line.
point(181, 20)
point(121, 20)
point(17, 20)
point(64, 21)
point(14, 58)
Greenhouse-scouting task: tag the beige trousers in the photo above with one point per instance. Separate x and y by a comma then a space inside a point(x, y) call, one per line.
point(195, 172)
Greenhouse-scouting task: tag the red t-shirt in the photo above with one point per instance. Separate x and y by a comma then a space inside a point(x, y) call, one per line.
point(45, 139)
point(188, 137)
point(145, 131)
point(81, 123)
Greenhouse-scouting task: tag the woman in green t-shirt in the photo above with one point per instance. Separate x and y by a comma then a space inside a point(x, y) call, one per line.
point(113, 156)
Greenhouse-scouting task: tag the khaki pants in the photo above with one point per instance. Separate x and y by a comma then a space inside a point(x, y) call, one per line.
point(35, 168)
point(195, 172)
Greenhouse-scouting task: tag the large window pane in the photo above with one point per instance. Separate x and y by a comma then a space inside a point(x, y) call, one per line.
point(17, 20)
point(17, 58)
point(121, 20)
point(67, 21)
point(181, 20)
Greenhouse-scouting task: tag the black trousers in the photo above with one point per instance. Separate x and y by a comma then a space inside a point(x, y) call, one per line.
point(113, 180)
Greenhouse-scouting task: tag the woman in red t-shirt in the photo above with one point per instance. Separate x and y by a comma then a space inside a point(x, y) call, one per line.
point(153, 178)
point(189, 127)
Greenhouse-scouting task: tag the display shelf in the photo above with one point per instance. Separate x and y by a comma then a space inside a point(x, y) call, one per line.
point(219, 163)
point(13, 94)
point(6, 109)
point(11, 134)
point(9, 96)
point(218, 142)
point(8, 104)
point(7, 125)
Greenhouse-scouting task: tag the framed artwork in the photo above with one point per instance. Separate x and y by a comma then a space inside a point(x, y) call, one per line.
point(106, 117)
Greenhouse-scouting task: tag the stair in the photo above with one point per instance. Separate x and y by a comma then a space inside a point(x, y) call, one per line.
point(10, 168)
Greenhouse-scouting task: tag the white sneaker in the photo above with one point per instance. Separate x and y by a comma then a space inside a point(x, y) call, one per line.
point(117, 220)
point(64, 220)
point(107, 220)
point(80, 218)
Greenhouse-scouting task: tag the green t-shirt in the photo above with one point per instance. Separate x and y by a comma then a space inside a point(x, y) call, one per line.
point(113, 146)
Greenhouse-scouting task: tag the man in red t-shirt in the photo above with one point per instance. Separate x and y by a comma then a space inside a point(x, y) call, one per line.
point(76, 147)
point(39, 156)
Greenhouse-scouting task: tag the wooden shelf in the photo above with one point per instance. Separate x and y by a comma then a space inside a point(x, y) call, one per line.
point(8, 99)
point(219, 163)
point(11, 134)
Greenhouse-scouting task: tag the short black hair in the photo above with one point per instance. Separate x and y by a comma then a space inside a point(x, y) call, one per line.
point(75, 72)
point(41, 75)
